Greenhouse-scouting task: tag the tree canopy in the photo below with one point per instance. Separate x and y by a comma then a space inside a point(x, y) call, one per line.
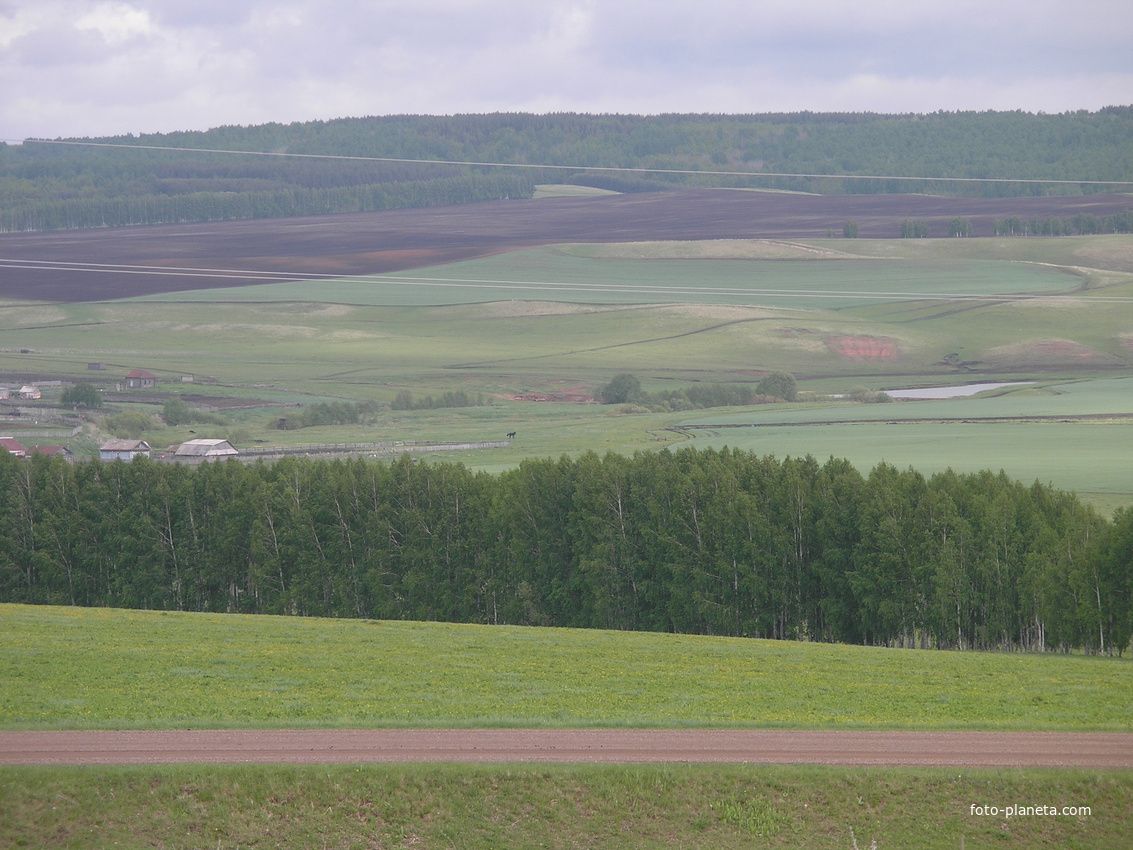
point(408, 161)
point(705, 542)
point(81, 395)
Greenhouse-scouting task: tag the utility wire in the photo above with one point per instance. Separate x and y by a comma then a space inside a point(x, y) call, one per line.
point(619, 169)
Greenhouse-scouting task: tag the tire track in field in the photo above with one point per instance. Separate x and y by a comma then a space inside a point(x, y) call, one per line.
point(613, 345)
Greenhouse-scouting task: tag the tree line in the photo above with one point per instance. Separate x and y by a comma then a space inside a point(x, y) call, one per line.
point(86, 212)
point(626, 389)
point(705, 542)
point(47, 186)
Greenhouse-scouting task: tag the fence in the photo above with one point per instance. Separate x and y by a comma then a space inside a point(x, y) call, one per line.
point(396, 447)
point(37, 435)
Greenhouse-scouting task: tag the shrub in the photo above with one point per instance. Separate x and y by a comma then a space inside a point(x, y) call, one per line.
point(130, 424)
point(622, 389)
point(864, 395)
point(178, 412)
point(780, 385)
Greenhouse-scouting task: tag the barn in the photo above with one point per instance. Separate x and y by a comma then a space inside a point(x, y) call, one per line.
point(203, 449)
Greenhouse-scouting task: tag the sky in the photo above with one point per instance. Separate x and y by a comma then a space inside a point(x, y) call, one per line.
point(87, 68)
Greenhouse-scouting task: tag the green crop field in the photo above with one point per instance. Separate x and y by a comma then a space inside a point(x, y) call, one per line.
point(1042, 432)
point(796, 278)
point(102, 668)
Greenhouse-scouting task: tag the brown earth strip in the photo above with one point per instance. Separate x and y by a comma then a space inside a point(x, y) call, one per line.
point(369, 243)
point(609, 746)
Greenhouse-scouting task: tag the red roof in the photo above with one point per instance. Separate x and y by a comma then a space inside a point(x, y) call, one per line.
point(141, 373)
point(50, 451)
point(12, 445)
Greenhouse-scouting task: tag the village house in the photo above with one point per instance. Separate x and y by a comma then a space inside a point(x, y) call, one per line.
point(13, 447)
point(123, 449)
point(29, 392)
point(55, 451)
point(140, 379)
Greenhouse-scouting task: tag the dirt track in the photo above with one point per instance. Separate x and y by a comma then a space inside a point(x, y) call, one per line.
point(918, 749)
point(34, 266)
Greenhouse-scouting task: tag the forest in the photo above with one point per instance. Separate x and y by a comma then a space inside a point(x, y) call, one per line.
point(275, 170)
point(701, 542)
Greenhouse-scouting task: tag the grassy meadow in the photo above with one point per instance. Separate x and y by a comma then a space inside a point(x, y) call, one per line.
point(83, 668)
point(102, 668)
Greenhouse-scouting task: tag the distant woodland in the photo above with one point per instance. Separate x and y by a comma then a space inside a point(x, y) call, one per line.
point(56, 186)
point(702, 542)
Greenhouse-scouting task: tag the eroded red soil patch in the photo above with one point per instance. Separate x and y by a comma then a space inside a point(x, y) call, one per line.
point(864, 349)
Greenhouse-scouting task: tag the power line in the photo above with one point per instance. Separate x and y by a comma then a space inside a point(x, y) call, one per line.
point(603, 168)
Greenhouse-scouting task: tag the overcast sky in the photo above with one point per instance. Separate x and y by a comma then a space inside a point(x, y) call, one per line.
point(72, 68)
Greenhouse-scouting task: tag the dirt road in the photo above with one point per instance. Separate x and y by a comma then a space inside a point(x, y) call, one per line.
point(614, 746)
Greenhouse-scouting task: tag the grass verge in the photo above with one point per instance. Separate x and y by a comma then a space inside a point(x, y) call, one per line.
point(556, 807)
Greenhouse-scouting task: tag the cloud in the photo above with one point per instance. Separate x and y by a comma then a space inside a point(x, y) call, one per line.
point(75, 68)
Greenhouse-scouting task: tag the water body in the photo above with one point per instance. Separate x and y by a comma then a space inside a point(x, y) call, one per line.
point(951, 392)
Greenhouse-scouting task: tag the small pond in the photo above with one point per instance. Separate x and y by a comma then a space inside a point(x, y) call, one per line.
point(951, 392)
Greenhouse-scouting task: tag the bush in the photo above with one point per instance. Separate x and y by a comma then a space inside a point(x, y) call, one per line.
point(864, 395)
point(780, 385)
point(178, 412)
point(623, 389)
point(130, 424)
point(405, 401)
point(335, 413)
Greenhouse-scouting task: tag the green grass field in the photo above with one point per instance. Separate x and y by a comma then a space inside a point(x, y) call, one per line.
point(1035, 433)
point(76, 668)
point(722, 807)
point(101, 668)
point(581, 274)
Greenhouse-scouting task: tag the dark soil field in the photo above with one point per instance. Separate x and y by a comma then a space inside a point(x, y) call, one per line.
point(96, 265)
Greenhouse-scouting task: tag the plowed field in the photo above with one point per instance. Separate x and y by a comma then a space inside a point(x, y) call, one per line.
point(95, 265)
